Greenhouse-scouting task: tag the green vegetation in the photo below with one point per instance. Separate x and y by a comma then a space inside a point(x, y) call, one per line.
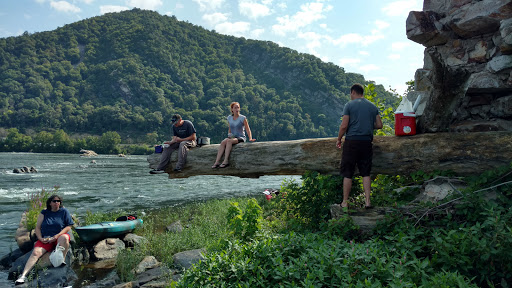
point(129, 72)
point(60, 142)
point(290, 241)
point(36, 203)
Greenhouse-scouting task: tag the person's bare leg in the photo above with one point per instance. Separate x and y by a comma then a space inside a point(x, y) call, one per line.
point(347, 186)
point(222, 147)
point(64, 242)
point(367, 186)
point(229, 146)
point(32, 260)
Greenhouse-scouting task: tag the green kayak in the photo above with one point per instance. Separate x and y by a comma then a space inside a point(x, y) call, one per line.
point(99, 231)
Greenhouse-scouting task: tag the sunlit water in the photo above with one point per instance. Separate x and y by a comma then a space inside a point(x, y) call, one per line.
point(112, 183)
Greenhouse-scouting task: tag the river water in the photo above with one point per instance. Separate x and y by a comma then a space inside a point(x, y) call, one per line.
point(110, 184)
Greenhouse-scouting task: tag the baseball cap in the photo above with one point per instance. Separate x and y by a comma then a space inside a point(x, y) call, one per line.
point(175, 117)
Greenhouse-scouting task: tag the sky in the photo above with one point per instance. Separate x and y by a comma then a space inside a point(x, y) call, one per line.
point(362, 36)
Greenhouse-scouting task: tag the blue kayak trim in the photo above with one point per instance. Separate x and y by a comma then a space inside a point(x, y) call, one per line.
point(99, 231)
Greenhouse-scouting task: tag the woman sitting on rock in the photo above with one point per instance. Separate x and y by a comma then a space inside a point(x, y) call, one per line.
point(53, 225)
point(238, 126)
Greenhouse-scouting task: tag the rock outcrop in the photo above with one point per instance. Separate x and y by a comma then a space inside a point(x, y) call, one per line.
point(466, 80)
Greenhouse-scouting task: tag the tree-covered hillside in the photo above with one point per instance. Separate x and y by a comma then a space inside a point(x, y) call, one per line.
point(130, 71)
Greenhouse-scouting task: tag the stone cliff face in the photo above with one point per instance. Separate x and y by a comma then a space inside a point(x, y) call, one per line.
point(466, 81)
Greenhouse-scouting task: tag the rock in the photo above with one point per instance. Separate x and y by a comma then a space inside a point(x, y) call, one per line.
point(468, 52)
point(59, 275)
point(87, 153)
point(33, 169)
point(108, 248)
point(132, 240)
point(152, 275)
point(24, 238)
point(437, 189)
point(175, 227)
point(126, 285)
point(500, 63)
point(83, 255)
point(7, 260)
point(109, 281)
point(103, 264)
point(186, 259)
point(149, 262)
point(425, 28)
point(121, 155)
point(93, 161)
point(16, 170)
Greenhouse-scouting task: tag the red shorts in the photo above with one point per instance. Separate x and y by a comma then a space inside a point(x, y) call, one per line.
point(50, 246)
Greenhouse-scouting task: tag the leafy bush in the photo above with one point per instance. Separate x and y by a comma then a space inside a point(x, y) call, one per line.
point(245, 225)
point(311, 201)
point(36, 203)
point(312, 260)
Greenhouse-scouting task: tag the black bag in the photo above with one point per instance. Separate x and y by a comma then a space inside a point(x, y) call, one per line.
point(126, 218)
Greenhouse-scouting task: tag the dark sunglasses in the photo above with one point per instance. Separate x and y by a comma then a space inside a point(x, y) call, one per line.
point(56, 201)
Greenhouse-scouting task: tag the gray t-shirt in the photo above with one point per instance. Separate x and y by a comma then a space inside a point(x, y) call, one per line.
point(237, 126)
point(184, 130)
point(362, 114)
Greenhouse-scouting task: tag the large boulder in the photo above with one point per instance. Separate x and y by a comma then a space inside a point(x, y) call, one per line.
point(108, 248)
point(467, 59)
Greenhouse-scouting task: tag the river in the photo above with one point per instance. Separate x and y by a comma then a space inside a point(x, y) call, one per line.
point(112, 183)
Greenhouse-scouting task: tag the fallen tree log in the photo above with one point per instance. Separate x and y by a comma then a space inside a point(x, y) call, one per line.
point(462, 153)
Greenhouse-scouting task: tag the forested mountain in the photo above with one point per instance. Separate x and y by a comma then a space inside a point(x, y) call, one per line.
point(130, 71)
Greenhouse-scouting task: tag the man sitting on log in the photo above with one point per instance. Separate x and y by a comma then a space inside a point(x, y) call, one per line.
point(184, 138)
point(360, 118)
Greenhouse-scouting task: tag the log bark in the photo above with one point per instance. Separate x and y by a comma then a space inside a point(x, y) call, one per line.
point(462, 153)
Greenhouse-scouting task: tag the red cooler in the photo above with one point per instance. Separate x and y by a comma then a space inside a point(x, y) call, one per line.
point(405, 124)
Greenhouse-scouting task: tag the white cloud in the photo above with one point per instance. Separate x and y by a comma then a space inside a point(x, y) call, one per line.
point(235, 29)
point(369, 67)
point(145, 4)
point(63, 6)
point(347, 39)
point(323, 26)
point(394, 56)
point(348, 62)
point(27, 16)
point(40, 1)
point(401, 8)
point(215, 18)
point(112, 9)
point(364, 53)
point(309, 13)
point(253, 10)
point(168, 13)
point(313, 41)
point(256, 33)
point(399, 46)
point(208, 5)
point(381, 25)
point(87, 1)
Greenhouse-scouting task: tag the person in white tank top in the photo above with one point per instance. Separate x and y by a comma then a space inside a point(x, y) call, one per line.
point(238, 128)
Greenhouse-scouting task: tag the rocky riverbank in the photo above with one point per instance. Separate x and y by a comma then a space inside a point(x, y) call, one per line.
point(97, 256)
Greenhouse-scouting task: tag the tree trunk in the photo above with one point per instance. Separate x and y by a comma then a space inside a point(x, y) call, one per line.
point(462, 153)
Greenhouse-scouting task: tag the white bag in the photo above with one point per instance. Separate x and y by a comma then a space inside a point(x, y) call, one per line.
point(57, 256)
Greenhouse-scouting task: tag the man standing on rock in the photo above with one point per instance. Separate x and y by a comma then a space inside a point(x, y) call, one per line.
point(360, 118)
point(184, 138)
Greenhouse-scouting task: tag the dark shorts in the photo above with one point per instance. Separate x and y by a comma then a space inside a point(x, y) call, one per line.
point(240, 140)
point(356, 152)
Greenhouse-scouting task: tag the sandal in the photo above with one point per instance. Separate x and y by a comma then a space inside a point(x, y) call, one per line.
point(224, 165)
point(215, 166)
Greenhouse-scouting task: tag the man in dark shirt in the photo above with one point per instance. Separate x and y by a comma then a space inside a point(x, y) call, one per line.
point(360, 118)
point(184, 138)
